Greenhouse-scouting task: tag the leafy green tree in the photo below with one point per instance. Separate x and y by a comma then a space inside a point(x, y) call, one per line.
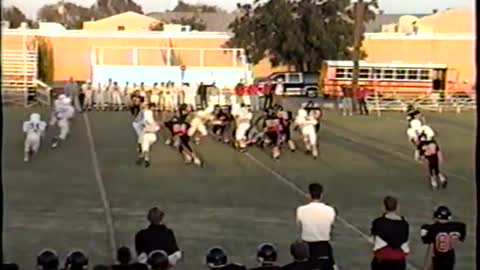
point(185, 7)
point(69, 14)
point(107, 8)
point(300, 34)
point(15, 16)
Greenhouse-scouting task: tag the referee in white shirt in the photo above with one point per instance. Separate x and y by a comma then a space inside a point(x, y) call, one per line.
point(315, 220)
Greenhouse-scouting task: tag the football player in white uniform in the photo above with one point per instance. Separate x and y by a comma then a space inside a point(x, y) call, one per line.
point(417, 135)
point(307, 125)
point(197, 125)
point(34, 130)
point(147, 136)
point(243, 118)
point(62, 115)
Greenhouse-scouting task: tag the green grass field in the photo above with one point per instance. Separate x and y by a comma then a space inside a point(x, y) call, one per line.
point(238, 200)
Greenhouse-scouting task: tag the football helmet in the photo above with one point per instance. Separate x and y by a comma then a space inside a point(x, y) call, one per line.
point(442, 213)
point(216, 257)
point(266, 253)
point(76, 260)
point(47, 259)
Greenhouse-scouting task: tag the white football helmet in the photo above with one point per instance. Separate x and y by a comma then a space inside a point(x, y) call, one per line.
point(302, 113)
point(35, 117)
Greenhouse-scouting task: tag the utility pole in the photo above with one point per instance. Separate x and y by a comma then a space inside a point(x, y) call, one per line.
point(357, 44)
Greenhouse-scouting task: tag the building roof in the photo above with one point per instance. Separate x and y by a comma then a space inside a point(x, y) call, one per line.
point(382, 19)
point(215, 21)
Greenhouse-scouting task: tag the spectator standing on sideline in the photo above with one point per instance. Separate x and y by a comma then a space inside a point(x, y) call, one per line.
point(124, 258)
point(267, 95)
point(254, 97)
point(72, 91)
point(202, 93)
point(347, 101)
point(316, 220)
point(390, 238)
point(157, 237)
point(278, 93)
point(361, 99)
point(239, 92)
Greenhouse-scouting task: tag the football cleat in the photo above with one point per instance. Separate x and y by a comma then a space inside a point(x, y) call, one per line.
point(168, 142)
point(443, 181)
point(55, 142)
point(197, 162)
point(147, 163)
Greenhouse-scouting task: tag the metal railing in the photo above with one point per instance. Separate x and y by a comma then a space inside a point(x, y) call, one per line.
point(429, 102)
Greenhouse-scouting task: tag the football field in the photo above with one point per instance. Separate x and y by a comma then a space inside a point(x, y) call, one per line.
point(90, 194)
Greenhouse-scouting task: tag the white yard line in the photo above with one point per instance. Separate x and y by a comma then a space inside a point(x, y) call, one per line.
point(101, 188)
point(291, 185)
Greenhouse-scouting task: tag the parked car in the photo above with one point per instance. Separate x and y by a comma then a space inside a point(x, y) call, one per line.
point(295, 83)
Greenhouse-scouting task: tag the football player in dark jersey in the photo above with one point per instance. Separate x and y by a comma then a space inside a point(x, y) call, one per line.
point(178, 128)
point(158, 260)
point(221, 123)
point(431, 152)
point(286, 119)
point(137, 101)
point(272, 130)
point(47, 260)
point(76, 260)
point(217, 260)
point(442, 236)
point(266, 257)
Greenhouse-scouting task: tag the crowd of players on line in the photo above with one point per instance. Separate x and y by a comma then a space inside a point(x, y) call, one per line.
point(234, 124)
point(157, 247)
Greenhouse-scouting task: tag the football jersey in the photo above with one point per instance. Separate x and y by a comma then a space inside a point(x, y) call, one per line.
point(430, 149)
point(267, 267)
point(272, 123)
point(444, 237)
point(37, 128)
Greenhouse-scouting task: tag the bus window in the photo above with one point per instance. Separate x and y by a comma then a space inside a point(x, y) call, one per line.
point(364, 73)
point(388, 74)
point(400, 74)
point(412, 74)
point(340, 73)
point(377, 74)
point(425, 74)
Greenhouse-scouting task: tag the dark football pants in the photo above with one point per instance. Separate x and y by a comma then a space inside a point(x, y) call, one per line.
point(388, 264)
point(433, 165)
point(444, 264)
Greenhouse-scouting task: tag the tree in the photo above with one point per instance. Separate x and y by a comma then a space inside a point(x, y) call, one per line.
point(15, 17)
point(107, 8)
point(194, 22)
point(69, 14)
point(296, 33)
point(185, 7)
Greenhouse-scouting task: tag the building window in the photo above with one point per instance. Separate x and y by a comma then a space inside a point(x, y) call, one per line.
point(121, 28)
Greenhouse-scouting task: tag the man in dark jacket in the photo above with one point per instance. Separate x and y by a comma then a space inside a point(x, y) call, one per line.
point(390, 238)
point(157, 237)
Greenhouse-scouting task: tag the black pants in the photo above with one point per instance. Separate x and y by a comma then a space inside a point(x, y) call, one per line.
point(362, 106)
point(267, 103)
point(135, 109)
point(433, 165)
point(184, 143)
point(322, 251)
point(81, 99)
point(388, 264)
point(443, 264)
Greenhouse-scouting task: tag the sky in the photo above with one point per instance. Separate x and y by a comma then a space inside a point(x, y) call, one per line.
point(30, 7)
